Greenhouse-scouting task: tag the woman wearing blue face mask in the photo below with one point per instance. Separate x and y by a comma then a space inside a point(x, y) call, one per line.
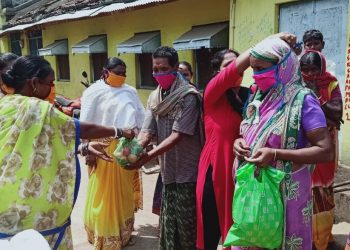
point(281, 119)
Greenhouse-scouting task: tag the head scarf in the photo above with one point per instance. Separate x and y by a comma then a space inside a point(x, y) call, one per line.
point(323, 80)
point(278, 51)
point(266, 110)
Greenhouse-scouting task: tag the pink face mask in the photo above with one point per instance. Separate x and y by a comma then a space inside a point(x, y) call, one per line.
point(165, 80)
point(265, 79)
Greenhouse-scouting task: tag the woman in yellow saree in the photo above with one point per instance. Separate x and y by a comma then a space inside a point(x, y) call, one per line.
point(39, 170)
point(114, 194)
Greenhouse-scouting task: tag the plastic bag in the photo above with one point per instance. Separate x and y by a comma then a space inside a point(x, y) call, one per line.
point(127, 151)
point(257, 209)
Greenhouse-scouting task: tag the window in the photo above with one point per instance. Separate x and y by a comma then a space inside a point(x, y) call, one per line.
point(62, 62)
point(204, 71)
point(98, 60)
point(35, 42)
point(145, 67)
point(15, 42)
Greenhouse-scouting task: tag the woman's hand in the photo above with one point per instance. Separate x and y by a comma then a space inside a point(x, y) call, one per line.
point(241, 149)
point(263, 157)
point(96, 149)
point(128, 133)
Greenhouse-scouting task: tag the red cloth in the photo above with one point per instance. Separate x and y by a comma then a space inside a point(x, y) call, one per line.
point(323, 80)
point(221, 124)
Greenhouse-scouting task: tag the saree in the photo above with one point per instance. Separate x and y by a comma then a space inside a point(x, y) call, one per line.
point(39, 171)
point(273, 120)
point(324, 173)
point(114, 194)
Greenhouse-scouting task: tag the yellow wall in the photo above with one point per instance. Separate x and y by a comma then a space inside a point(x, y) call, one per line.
point(172, 19)
point(253, 21)
point(345, 149)
point(4, 44)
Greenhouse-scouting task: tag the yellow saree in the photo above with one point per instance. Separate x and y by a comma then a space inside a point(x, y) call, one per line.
point(113, 195)
point(39, 173)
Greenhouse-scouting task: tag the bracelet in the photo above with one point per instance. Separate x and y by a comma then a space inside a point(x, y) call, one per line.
point(85, 149)
point(275, 156)
point(118, 133)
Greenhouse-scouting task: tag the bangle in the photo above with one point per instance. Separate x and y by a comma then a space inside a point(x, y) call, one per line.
point(118, 133)
point(85, 149)
point(275, 156)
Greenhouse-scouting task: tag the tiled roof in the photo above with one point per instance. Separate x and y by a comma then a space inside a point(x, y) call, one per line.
point(44, 9)
point(65, 10)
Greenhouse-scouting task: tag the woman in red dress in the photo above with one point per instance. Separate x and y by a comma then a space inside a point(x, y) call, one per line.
point(223, 104)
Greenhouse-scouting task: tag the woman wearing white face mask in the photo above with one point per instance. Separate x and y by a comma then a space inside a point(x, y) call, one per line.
point(113, 193)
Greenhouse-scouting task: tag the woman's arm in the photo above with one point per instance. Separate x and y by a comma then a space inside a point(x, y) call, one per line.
point(226, 79)
point(94, 131)
point(320, 151)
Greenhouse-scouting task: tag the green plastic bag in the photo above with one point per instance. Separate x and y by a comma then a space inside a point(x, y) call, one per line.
point(257, 209)
point(127, 151)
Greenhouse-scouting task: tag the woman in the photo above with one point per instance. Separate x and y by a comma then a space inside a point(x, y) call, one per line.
point(114, 194)
point(281, 119)
point(185, 69)
point(39, 170)
point(223, 104)
point(326, 87)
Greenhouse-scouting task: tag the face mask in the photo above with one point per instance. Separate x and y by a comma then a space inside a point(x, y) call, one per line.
point(114, 80)
point(6, 90)
point(165, 80)
point(265, 79)
point(51, 97)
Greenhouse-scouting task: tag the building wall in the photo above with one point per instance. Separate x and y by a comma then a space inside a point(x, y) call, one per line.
point(172, 19)
point(254, 20)
point(345, 149)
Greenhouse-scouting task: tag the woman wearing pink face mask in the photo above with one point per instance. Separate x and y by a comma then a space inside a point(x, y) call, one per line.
point(223, 104)
point(281, 119)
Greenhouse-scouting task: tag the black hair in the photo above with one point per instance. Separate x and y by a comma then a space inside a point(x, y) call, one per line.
point(6, 58)
point(24, 68)
point(219, 57)
point(188, 66)
point(167, 52)
point(113, 62)
point(312, 34)
point(311, 58)
point(236, 104)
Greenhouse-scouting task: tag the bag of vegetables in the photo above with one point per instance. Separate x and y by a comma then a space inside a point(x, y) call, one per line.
point(127, 151)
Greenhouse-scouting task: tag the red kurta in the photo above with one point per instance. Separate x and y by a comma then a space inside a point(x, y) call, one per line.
point(221, 129)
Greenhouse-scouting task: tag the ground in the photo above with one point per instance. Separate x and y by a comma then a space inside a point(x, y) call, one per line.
point(146, 234)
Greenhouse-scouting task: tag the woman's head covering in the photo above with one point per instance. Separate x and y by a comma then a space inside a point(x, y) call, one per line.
point(325, 77)
point(324, 80)
point(277, 51)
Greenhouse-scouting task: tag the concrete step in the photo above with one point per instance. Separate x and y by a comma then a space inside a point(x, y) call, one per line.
point(342, 199)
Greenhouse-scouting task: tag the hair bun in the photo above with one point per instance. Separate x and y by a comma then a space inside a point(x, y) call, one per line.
point(8, 78)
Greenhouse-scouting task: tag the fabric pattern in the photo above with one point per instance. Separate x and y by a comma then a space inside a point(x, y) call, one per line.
point(37, 179)
point(278, 113)
point(178, 217)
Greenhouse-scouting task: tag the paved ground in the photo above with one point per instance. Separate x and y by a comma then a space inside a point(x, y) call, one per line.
point(146, 222)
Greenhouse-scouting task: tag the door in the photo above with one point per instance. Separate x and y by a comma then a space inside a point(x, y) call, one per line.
point(330, 17)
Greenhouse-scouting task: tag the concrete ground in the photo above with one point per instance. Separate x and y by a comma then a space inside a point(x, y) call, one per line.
point(146, 235)
point(145, 222)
